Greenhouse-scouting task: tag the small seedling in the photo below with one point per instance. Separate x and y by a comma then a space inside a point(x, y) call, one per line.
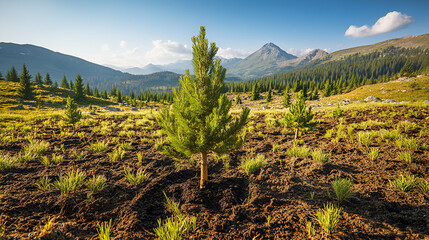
point(341, 188)
point(312, 195)
point(406, 156)
point(310, 229)
point(175, 226)
point(117, 155)
point(404, 182)
point(136, 178)
point(47, 228)
point(252, 165)
point(70, 182)
point(44, 184)
point(140, 157)
point(268, 219)
point(318, 155)
point(328, 217)
point(275, 148)
point(96, 184)
point(374, 154)
point(104, 230)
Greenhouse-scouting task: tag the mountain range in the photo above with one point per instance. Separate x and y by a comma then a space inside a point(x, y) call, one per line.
point(269, 59)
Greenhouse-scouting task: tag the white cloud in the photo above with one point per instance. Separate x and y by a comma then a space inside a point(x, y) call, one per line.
point(164, 52)
point(391, 22)
point(299, 52)
point(232, 53)
point(123, 44)
point(105, 47)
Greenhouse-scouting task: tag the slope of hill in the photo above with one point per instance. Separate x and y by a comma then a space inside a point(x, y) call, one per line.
point(421, 41)
point(38, 59)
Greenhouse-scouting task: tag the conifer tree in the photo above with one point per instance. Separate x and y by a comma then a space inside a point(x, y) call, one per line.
point(1, 76)
point(12, 76)
point(298, 117)
point(406, 70)
point(286, 97)
point(96, 92)
point(238, 99)
point(38, 79)
point(64, 83)
point(55, 84)
point(71, 85)
point(255, 92)
point(25, 90)
point(78, 87)
point(199, 121)
point(269, 98)
point(87, 89)
point(119, 96)
point(47, 80)
point(72, 114)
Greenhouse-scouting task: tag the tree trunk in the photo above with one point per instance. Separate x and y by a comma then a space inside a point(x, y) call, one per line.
point(204, 172)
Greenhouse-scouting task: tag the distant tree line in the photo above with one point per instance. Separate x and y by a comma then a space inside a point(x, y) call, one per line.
point(338, 76)
point(81, 90)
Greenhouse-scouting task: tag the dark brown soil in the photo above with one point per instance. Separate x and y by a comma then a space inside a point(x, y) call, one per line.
point(234, 205)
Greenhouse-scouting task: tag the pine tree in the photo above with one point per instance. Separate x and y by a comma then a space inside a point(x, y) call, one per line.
point(55, 84)
point(255, 92)
point(1, 77)
point(78, 87)
point(96, 92)
point(72, 114)
point(71, 85)
point(406, 70)
point(286, 97)
point(238, 99)
point(113, 91)
point(199, 120)
point(12, 76)
point(38, 79)
point(25, 90)
point(298, 117)
point(87, 90)
point(119, 96)
point(64, 83)
point(269, 98)
point(47, 80)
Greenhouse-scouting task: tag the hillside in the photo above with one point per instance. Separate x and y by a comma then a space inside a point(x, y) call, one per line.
point(421, 41)
point(38, 59)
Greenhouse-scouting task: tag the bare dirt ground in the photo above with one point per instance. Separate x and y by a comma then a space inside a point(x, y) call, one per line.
point(234, 205)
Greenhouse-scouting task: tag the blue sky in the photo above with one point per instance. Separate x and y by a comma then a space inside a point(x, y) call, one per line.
point(135, 33)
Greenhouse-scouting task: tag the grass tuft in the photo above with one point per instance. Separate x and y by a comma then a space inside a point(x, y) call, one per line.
point(374, 154)
point(328, 217)
point(70, 182)
point(406, 156)
point(404, 182)
point(176, 226)
point(252, 165)
point(104, 230)
point(341, 188)
point(99, 146)
point(319, 155)
point(136, 178)
point(96, 184)
point(296, 151)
